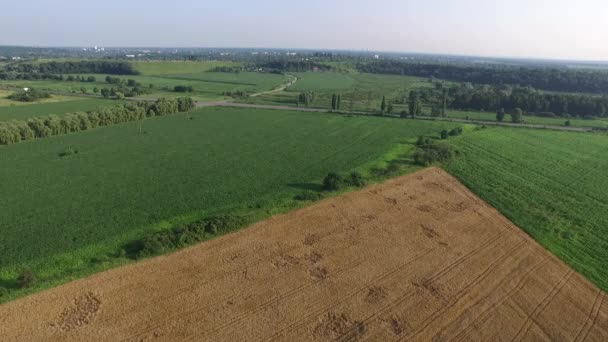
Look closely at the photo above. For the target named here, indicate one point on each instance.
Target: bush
(178, 237)
(424, 141)
(567, 123)
(444, 134)
(433, 153)
(355, 179)
(308, 195)
(456, 131)
(183, 89)
(26, 279)
(3, 292)
(29, 95)
(332, 182)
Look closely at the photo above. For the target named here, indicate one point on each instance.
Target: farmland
(158, 68)
(551, 184)
(346, 269)
(359, 92)
(76, 104)
(5, 101)
(206, 86)
(320, 81)
(131, 179)
(491, 117)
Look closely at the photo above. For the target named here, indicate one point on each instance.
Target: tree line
(293, 66)
(75, 67)
(554, 79)
(41, 127)
(530, 100)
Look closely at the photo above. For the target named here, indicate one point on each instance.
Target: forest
(546, 78)
(74, 67)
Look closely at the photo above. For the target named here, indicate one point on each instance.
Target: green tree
(332, 182)
(339, 103)
(517, 116)
(414, 104)
(383, 105)
(500, 115)
(334, 102)
(444, 106)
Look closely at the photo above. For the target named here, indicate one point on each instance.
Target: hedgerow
(16, 131)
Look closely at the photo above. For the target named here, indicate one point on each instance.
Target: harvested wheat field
(415, 258)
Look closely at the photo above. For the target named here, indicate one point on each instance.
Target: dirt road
(416, 258)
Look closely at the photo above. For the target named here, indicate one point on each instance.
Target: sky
(555, 29)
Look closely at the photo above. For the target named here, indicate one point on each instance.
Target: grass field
(551, 184)
(321, 81)
(5, 101)
(156, 68)
(363, 93)
(122, 184)
(486, 116)
(206, 85)
(77, 104)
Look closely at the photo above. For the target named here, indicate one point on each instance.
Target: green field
(5, 101)
(155, 68)
(52, 108)
(359, 92)
(122, 184)
(551, 184)
(206, 85)
(322, 81)
(536, 120)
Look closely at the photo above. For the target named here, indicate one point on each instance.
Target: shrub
(433, 153)
(3, 292)
(444, 134)
(424, 141)
(167, 240)
(308, 195)
(29, 95)
(26, 278)
(456, 131)
(355, 179)
(183, 89)
(332, 182)
(567, 123)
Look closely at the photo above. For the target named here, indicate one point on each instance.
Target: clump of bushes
(334, 181)
(30, 95)
(355, 179)
(183, 89)
(308, 195)
(16, 131)
(26, 279)
(429, 152)
(68, 152)
(181, 236)
(455, 132)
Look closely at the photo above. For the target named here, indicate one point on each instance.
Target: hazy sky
(565, 29)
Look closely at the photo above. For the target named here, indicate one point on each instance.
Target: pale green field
(4, 101)
(536, 120)
(177, 67)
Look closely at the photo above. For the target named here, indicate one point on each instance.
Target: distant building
(130, 56)
(377, 56)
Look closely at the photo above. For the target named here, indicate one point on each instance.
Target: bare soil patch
(433, 263)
